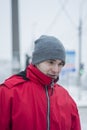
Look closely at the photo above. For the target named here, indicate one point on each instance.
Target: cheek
(44, 69)
(60, 68)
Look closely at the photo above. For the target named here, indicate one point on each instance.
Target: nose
(55, 69)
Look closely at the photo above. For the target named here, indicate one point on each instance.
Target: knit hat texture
(46, 48)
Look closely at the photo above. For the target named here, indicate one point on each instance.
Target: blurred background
(23, 21)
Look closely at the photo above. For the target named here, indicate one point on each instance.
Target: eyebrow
(61, 62)
(54, 60)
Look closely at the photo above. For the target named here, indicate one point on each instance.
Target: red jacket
(36, 104)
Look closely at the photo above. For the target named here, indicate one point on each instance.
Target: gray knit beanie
(46, 48)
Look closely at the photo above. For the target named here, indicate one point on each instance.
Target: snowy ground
(79, 95)
(83, 117)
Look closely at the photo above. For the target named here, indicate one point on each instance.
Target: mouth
(52, 76)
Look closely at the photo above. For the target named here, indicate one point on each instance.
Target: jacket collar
(34, 74)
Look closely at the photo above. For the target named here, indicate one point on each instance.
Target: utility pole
(79, 57)
(80, 50)
(15, 37)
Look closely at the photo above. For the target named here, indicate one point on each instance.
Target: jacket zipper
(48, 109)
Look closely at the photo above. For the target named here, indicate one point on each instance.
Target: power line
(68, 16)
(56, 17)
(63, 8)
(80, 12)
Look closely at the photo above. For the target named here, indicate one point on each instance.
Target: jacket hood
(34, 74)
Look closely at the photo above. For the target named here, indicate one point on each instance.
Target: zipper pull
(52, 87)
(52, 84)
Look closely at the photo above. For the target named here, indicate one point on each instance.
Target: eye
(51, 61)
(61, 64)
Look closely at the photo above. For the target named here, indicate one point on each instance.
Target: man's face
(51, 68)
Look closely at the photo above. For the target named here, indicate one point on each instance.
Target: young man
(32, 100)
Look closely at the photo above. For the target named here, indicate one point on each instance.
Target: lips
(52, 76)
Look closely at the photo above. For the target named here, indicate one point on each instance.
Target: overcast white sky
(36, 17)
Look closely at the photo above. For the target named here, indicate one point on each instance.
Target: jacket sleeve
(76, 125)
(5, 108)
